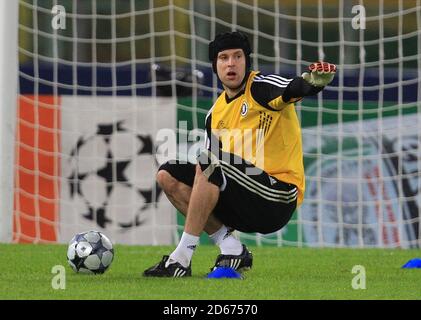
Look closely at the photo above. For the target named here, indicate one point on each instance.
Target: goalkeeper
(229, 190)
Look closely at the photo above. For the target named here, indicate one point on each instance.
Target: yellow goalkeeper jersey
(260, 127)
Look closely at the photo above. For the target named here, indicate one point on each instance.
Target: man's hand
(321, 74)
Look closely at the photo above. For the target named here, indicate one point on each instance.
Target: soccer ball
(90, 252)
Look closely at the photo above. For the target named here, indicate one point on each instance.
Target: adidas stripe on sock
(185, 249)
(226, 241)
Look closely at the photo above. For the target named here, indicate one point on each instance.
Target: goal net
(105, 85)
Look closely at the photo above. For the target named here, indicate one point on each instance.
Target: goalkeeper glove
(321, 74)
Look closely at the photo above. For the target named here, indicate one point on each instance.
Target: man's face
(231, 67)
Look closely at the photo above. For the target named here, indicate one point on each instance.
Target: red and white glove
(321, 73)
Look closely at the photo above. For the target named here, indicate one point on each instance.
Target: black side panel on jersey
(213, 143)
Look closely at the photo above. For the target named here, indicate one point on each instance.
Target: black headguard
(229, 40)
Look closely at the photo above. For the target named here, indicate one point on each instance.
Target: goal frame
(9, 20)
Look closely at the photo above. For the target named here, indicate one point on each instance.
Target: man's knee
(166, 181)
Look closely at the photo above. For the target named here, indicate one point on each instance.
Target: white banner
(108, 165)
(363, 183)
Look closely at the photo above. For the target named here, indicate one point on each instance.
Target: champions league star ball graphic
(90, 252)
(112, 176)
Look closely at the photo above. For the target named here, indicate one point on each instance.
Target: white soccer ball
(90, 252)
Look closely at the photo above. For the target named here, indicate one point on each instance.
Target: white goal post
(96, 90)
(8, 98)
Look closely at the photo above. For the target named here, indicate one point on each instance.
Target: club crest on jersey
(244, 109)
(221, 124)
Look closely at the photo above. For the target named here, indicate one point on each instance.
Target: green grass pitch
(278, 273)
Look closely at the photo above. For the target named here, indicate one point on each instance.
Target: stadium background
(378, 80)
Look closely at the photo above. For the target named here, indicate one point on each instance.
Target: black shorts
(248, 203)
